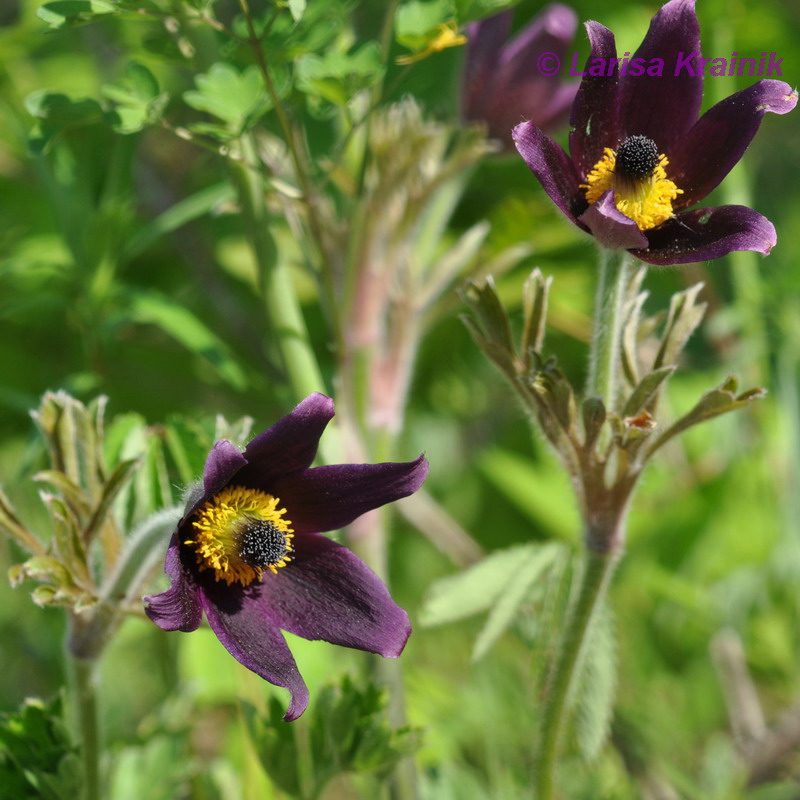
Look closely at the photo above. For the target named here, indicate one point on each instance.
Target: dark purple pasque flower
(248, 551)
(639, 156)
(504, 81)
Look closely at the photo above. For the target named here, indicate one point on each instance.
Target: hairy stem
(83, 704)
(613, 278)
(596, 576)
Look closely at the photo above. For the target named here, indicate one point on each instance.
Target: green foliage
(37, 759)
(139, 100)
(236, 98)
(346, 732)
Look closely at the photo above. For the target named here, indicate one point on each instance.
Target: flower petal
(249, 633)
(326, 498)
(595, 113)
(664, 107)
(486, 38)
(326, 592)
(223, 462)
(551, 165)
(610, 226)
(719, 138)
(707, 233)
(179, 608)
(289, 445)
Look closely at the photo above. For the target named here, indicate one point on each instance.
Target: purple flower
(639, 156)
(248, 551)
(504, 81)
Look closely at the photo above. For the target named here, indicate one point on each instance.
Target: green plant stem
(603, 525)
(298, 160)
(594, 582)
(614, 276)
(84, 710)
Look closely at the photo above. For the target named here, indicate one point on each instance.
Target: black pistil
(637, 157)
(262, 543)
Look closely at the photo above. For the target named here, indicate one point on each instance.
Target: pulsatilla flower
(639, 156)
(507, 81)
(248, 552)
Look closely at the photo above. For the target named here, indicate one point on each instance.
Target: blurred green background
(95, 301)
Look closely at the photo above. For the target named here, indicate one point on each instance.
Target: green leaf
(416, 22)
(597, 682)
(193, 207)
(37, 758)
(646, 391)
(297, 8)
(139, 100)
(67, 13)
(238, 99)
(472, 591)
(529, 570)
(470, 10)
(712, 404)
(336, 76)
(179, 323)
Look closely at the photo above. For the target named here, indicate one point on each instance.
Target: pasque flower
(248, 552)
(503, 80)
(640, 158)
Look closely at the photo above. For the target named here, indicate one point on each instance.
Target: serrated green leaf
(472, 591)
(529, 569)
(337, 76)
(596, 687)
(235, 98)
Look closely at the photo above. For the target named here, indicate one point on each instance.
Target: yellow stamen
(647, 201)
(448, 37)
(221, 527)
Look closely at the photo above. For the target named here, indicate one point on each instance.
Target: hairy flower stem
(83, 706)
(605, 531)
(596, 576)
(614, 276)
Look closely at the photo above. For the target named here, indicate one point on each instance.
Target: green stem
(84, 711)
(299, 161)
(278, 292)
(604, 362)
(596, 577)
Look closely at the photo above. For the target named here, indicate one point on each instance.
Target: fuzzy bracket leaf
(712, 404)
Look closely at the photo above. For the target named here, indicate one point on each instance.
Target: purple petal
(326, 592)
(179, 608)
(706, 233)
(665, 107)
(551, 31)
(551, 165)
(502, 88)
(720, 137)
(486, 38)
(289, 445)
(612, 229)
(249, 633)
(223, 462)
(326, 498)
(595, 113)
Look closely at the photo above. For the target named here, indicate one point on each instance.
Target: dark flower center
(262, 543)
(637, 157)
